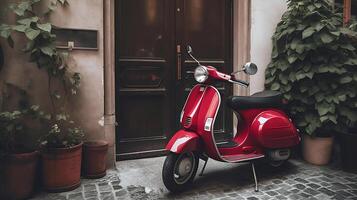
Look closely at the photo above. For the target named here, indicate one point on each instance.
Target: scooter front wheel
(179, 170)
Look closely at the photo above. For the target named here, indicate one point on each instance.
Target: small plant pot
(317, 150)
(61, 168)
(348, 143)
(19, 172)
(94, 159)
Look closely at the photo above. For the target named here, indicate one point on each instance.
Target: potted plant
(61, 151)
(18, 157)
(310, 60)
(62, 142)
(94, 158)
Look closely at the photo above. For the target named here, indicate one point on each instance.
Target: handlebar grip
(244, 83)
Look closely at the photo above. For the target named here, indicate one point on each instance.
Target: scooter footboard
(184, 141)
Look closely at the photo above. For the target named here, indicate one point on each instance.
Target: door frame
(241, 54)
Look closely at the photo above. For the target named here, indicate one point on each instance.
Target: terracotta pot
(94, 159)
(317, 150)
(18, 175)
(61, 168)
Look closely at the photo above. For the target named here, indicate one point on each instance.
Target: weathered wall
(87, 108)
(264, 17)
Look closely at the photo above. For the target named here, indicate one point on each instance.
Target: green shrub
(314, 65)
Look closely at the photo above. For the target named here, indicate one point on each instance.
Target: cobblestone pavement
(297, 180)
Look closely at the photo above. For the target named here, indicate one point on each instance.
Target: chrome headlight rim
(201, 76)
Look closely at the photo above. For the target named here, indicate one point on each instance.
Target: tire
(173, 182)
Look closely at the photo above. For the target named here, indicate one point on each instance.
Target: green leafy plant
(14, 134)
(40, 44)
(11, 130)
(314, 65)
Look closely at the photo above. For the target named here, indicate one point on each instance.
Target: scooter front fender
(184, 141)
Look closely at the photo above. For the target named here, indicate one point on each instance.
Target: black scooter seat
(264, 99)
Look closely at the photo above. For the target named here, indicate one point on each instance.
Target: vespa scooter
(263, 130)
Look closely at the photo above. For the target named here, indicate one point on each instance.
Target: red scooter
(263, 131)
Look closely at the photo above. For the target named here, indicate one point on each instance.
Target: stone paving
(296, 180)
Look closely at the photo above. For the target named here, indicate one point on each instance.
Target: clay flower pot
(18, 175)
(94, 159)
(317, 150)
(61, 168)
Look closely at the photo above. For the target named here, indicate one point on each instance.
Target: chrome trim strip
(212, 134)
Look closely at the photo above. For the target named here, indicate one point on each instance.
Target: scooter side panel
(191, 107)
(273, 129)
(208, 111)
(184, 141)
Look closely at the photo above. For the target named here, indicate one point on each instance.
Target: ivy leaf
(351, 61)
(346, 79)
(47, 50)
(323, 108)
(21, 8)
(31, 34)
(292, 58)
(308, 32)
(350, 114)
(5, 30)
(28, 21)
(20, 28)
(326, 38)
(348, 46)
(45, 27)
(319, 26)
(300, 49)
(275, 86)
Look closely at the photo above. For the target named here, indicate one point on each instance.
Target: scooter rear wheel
(179, 170)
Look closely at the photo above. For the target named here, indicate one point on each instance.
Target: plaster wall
(87, 107)
(265, 15)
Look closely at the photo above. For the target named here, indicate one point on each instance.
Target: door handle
(179, 62)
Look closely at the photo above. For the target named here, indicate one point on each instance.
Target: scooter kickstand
(255, 177)
(204, 166)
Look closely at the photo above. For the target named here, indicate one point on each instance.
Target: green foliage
(314, 62)
(13, 130)
(42, 49)
(62, 133)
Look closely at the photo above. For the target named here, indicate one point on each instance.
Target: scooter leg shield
(184, 141)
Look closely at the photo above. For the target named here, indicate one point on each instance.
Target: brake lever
(190, 72)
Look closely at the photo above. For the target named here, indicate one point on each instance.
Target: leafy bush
(314, 65)
(62, 133)
(14, 134)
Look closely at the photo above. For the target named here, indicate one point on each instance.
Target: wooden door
(206, 25)
(151, 79)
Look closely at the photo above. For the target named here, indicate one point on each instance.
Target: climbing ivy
(40, 44)
(314, 64)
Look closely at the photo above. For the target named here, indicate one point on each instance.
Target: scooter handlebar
(243, 83)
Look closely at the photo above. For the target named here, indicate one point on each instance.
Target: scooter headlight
(201, 74)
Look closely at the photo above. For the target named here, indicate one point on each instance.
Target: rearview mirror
(189, 49)
(250, 68)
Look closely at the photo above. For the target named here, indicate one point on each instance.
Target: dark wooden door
(206, 25)
(151, 65)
